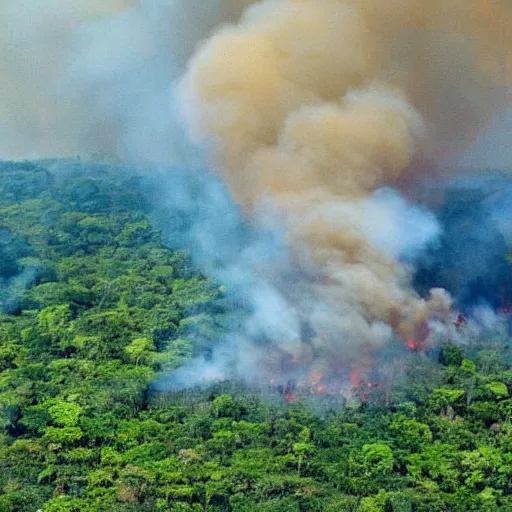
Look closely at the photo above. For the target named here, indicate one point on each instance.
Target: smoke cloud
(314, 107)
(320, 116)
(94, 78)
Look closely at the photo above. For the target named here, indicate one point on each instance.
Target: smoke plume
(308, 109)
(320, 116)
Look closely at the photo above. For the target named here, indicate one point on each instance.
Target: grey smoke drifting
(94, 78)
(315, 114)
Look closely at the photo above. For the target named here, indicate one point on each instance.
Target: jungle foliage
(95, 308)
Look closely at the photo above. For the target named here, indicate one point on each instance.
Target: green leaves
(225, 406)
(468, 368)
(443, 398)
(409, 433)
(82, 429)
(140, 348)
(53, 321)
(136, 234)
(65, 413)
(64, 436)
(106, 302)
(498, 389)
(35, 418)
(451, 355)
(378, 458)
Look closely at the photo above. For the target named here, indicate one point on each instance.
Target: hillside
(95, 309)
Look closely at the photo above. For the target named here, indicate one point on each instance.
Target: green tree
(65, 413)
(140, 349)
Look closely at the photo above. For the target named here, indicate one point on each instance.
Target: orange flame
(290, 397)
(412, 344)
(315, 377)
(355, 377)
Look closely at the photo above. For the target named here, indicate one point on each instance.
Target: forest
(95, 307)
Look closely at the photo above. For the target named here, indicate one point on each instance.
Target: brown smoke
(312, 105)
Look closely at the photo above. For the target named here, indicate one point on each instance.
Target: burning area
(320, 141)
(322, 124)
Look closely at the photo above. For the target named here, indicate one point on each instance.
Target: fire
(412, 344)
(355, 377)
(460, 321)
(361, 378)
(315, 377)
(290, 397)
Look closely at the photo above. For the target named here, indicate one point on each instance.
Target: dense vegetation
(94, 307)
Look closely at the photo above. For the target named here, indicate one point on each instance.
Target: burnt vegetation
(95, 309)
